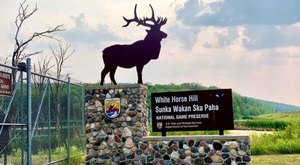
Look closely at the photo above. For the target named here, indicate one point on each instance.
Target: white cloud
(84, 33)
(262, 37)
(266, 24)
(236, 12)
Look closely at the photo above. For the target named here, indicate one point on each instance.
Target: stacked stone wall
(115, 140)
(196, 150)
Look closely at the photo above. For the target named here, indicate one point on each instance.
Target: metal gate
(41, 119)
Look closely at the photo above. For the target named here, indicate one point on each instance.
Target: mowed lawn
(284, 159)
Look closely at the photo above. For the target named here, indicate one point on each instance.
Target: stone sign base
(124, 139)
(198, 150)
(115, 140)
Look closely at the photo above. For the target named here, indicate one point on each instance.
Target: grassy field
(270, 122)
(283, 142)
(285, 159)
(289, 117)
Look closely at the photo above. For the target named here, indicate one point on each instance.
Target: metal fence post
(49, 124)
(29, 140)
(83, 119)
(22, 120)
(69, 115)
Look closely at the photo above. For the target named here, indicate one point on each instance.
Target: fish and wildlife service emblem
(112, 107)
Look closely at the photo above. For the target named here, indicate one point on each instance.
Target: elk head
(154, 33)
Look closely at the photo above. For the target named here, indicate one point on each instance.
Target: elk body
(137, 54)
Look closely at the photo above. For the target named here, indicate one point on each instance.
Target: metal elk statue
(137, 54)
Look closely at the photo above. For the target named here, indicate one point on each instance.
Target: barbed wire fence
(41, 120)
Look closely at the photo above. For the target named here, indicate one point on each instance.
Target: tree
(61, 54)
(43, 67)
(20, 43)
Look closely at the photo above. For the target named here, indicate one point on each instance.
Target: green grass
(274, 121)
(280, 159)
(280, 142)
(284, 141)
(260, 124)
(289, 117)
(76, 157)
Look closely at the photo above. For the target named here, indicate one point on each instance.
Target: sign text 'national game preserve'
(192, 110)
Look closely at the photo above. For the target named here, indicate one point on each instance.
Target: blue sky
(251, 46)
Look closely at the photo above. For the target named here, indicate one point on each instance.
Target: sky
(250, 46)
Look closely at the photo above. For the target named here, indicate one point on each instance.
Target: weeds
(260, 125)
(281, 142)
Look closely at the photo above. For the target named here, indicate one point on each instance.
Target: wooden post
(221, 132)
(164, 133)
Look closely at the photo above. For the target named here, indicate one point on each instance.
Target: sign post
(192, 110)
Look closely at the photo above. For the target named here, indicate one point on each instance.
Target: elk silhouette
(137, 54)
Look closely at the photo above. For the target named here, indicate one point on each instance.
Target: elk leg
(112, 74)
(103, 74)
(139, 70)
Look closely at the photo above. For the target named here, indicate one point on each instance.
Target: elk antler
(158, 23)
